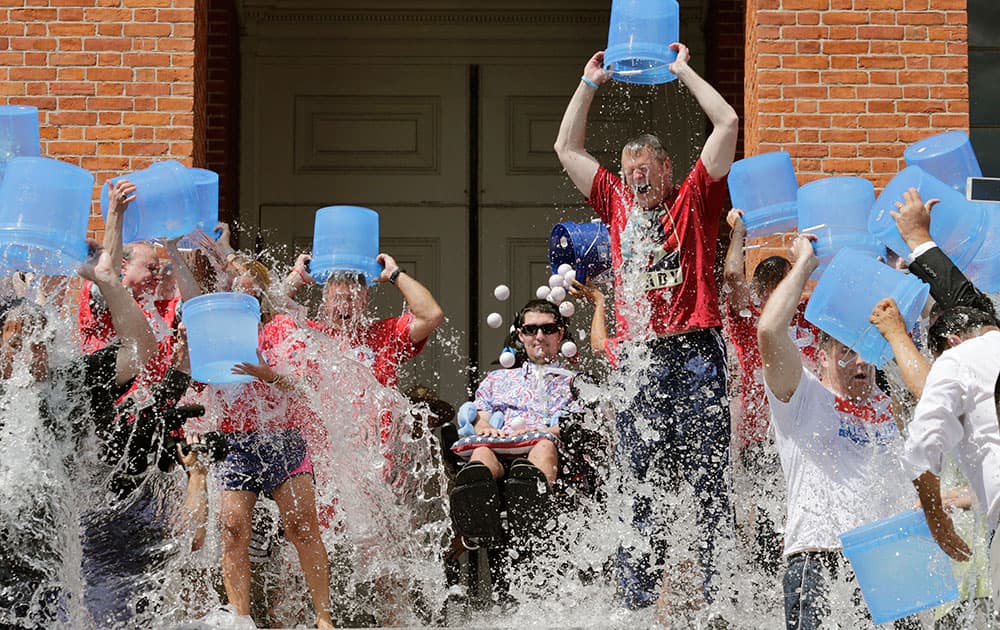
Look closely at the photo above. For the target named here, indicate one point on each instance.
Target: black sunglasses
(547, 329)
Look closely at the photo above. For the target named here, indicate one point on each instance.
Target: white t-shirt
(841, 462)
(957, 415)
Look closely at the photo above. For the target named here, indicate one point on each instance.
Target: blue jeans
(807, 591)
(806, 588)
(682, 399)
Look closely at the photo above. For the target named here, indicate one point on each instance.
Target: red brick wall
(725, 62)
(844, 85)
(114, 80)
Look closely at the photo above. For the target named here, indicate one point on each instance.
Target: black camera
(213, 445)
(137, 439)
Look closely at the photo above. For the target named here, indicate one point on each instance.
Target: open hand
(120, 194)
(261, 370)
(913, 218)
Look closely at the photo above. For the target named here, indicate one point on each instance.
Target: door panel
(394, 141)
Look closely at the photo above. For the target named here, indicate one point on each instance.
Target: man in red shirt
(663, 245)
(140, 269)
(382, 345)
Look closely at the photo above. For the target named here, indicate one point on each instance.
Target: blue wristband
(588, 82)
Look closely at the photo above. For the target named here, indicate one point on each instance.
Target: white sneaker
(225, 618)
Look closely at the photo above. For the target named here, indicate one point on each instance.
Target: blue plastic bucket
(835, 202)
(947, 156)
(849, 289)
(221, 332)
(836, 209)
(765, 188)
(18, 133)
(44, 215)
(166, 203)
(899, 567)
(958, 226)
(345, 238)
(984, 270)
(584, 246)
(639, 39)
(206, 185)
(830, 240)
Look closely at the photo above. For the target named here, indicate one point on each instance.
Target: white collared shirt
(957, 415)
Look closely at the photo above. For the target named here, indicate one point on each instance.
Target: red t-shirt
(383, 346)
(258, 405)
(751, 420)
(672, 247)
(97, 330)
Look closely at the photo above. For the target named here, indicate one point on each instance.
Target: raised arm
(299, 276)
(186, 282)
(720, 149)
(734, 275)
(580, 165)
(138, 345)
(782, 363)
(427, 314)
(913, 367)
(598, 323)
(120, 195)
(949, 286)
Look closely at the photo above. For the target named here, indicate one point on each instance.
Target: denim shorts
(260, 461)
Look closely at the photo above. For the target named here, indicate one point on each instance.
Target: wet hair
(771, 270)
(352, 277)
(647, 140)
(262, 276)
(129, 250)
(958, 320)
(824, 340)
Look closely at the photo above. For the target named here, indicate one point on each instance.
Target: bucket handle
(632, 73)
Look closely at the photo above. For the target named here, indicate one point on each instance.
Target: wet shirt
(751, 421)
(533, 393)
(671, 249)
(384, 346)
(97, 330)
(258, 405)
(841, 464)
(957, 415)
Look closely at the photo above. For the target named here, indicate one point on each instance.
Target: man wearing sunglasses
(530, 396)
(663, 245)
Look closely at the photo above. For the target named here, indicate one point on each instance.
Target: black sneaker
(475, 502)
(527, 493)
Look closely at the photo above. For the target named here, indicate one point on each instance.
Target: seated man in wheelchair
(513, 454)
